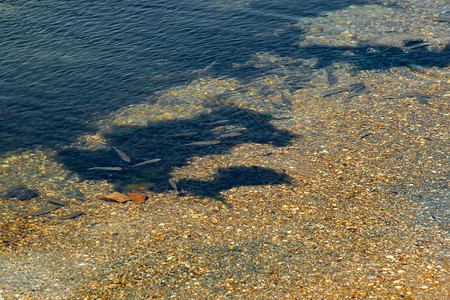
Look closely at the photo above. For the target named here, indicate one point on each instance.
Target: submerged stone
(116, 197)
(137, 198)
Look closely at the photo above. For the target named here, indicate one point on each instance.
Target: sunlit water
(66, 64)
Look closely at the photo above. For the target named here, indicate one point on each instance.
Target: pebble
(116, 197)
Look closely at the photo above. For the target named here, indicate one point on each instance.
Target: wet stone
(22, 193)
(137, 198)
(116, 197)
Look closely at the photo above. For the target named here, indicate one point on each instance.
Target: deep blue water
(64, 64)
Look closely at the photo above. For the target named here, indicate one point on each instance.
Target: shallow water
(68, 66)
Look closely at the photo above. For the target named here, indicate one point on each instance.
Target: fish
(354, 88)
(174, 185)
(366, 135)
(146, 162)
(336, 91)
(232, 134)
(43, 211)
(106, 168)
(71, 216)
(203, 143)
(122, 155)
(419, 97)
(357, 87)
(416, 45)
(355, 94)
(184, 134)
(442, 18)
(216, 122)
(56, 201)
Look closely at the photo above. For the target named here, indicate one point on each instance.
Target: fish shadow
(175, 143)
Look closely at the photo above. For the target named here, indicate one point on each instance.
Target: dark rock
(22, 193)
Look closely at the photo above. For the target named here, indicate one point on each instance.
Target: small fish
(419, 97)
(354, 95)
(417, 45)
(174, 185)
(232, 134)
(57, 201)
(71, 216)
(216, 122)
(106, 168)
(122, 155)
(357, 87)
(336, 91)
(366, 135)
(184, 134)
(146, 162)
(203, 143)
(43, 211)
(443, 18)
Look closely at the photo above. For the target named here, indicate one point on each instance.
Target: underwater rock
(116, 197)
(137, 198)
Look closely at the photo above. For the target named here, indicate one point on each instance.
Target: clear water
(64, 64)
